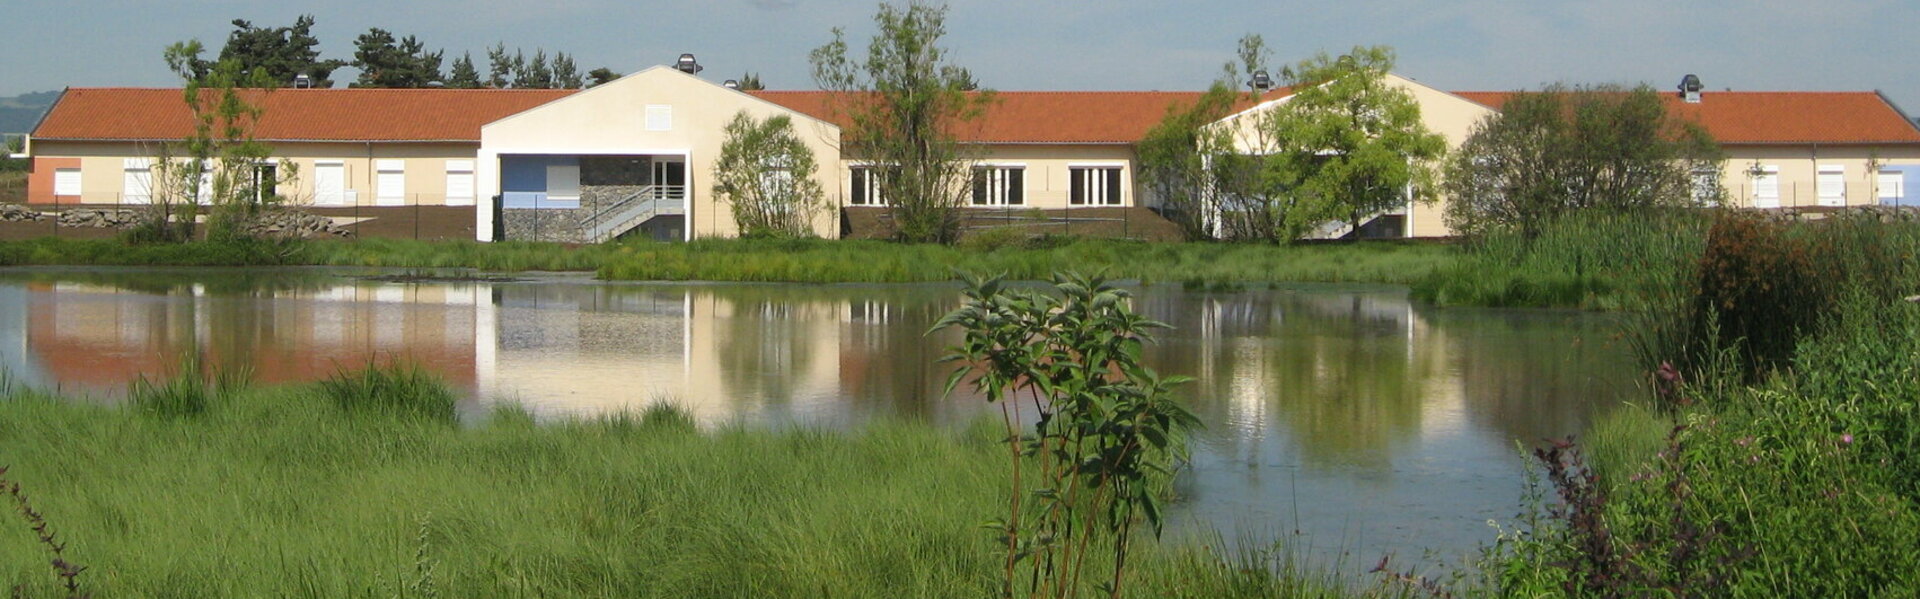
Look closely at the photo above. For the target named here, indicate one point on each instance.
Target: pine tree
(566, 75)
(464, 76)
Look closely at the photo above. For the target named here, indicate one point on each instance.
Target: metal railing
(609, 221)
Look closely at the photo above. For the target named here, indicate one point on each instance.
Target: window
(459, 182)
(868, 189)
(999, 185)
(1766, 185)
(1832, 181)
(659, 117)
(139, 181)
(66, 181)
(1706, 186)
(266, 181)
(1094, 186)
(390, 182)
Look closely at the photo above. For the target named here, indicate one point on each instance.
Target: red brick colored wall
(40, 181)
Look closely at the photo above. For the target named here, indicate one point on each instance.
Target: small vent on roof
(302, 81)
(731, 84)
(686, 64)
(1261, 81)
(1690, 88)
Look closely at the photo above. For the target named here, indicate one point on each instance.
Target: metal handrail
(652, 200)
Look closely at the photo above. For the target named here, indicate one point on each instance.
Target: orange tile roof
(1017, 117)
(378, 115)
(1781, 117)
(1035, 117)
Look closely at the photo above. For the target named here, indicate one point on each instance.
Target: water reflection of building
(101, 337)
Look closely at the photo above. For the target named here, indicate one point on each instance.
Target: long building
(634, 156)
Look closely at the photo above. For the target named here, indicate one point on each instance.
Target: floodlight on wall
(1261, 81)
(302, 81)
(687, 65)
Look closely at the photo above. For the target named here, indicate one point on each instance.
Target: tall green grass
(1599, 260)
(279, 492)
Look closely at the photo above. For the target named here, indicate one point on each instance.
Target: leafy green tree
(1345, 145)
(904, 104)
(463, 75)
(1558, 151)
(1174, 164)
(220, 164)
(601, 76)
(765, 173)
(386, 62)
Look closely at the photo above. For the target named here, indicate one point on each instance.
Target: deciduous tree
(1561, 150)
(765, 173)
(904, 104)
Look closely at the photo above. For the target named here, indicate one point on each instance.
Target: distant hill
(18, 114)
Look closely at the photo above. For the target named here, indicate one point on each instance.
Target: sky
(1044, 44)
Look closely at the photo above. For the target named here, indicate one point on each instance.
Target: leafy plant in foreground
(1106, 427)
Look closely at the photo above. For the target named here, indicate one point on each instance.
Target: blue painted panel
(523, 172)
(535, 199)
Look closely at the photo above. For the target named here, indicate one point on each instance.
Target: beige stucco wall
(1047, 180)
(103, 167)
(1799, 166)
(611, 120)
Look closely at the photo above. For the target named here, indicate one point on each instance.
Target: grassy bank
(804, 261)
(318, 491)
(1780, 453)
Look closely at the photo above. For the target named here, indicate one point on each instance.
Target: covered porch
(592, 198)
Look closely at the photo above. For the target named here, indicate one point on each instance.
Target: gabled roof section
(354, 115)
(1034, 117)
(1781, 117)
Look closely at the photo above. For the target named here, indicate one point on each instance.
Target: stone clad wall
(557, 225)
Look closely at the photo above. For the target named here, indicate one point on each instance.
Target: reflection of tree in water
(763, 345)
(1537, 375)
(1333, 367)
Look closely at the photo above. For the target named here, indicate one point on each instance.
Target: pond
(1345, 420)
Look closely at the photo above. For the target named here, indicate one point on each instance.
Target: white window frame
(137, 186)
(390, 191)
(460, 174)
(863, 185)
(66, 181)
(1119, 190)
(320, 196)
(1896, 192)
(999, 184)
(1830, 184)
(1765, 175)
